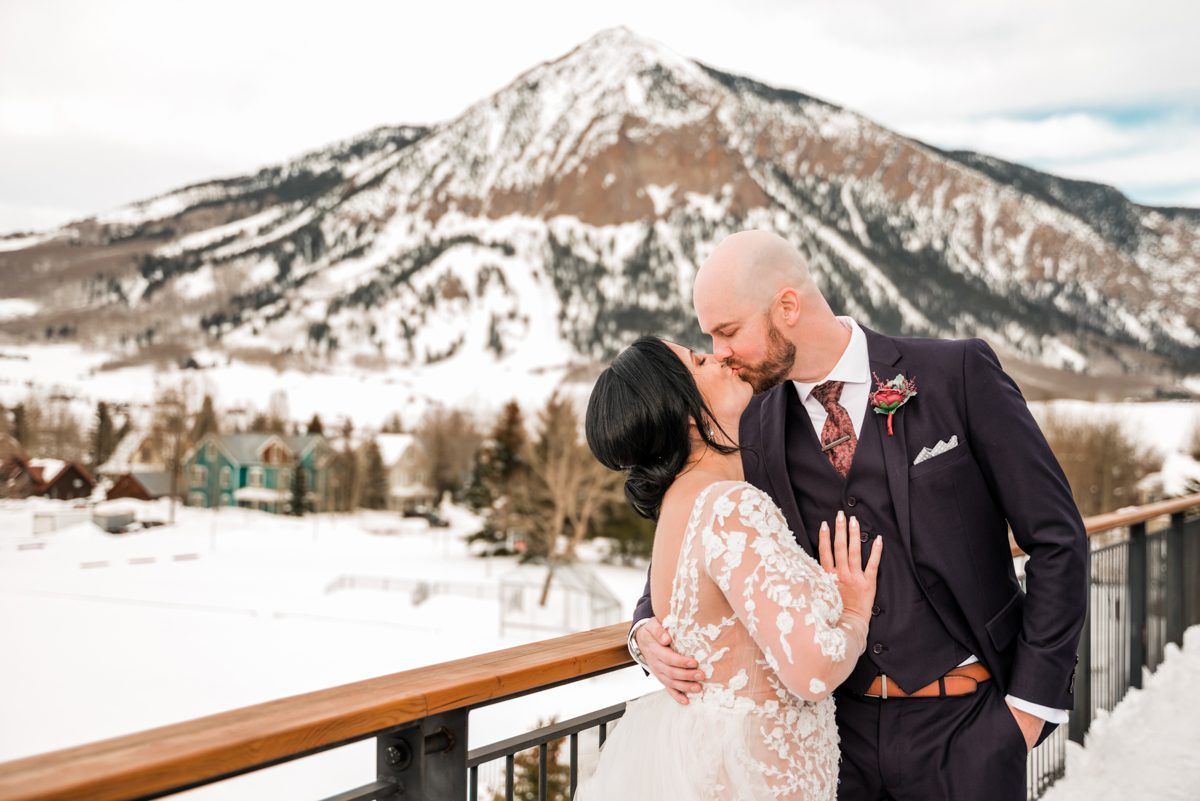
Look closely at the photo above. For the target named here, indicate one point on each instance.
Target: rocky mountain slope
(552, 222)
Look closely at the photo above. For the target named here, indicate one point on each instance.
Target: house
(254, 471)
(141, 449)
(408, 474)
(142, 485)
(17, 479)
(61, 480)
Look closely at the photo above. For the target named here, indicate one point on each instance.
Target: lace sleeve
(789, 605)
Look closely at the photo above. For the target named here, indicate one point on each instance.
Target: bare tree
(450, 439)
(567, 487)
(171, 427)
(1103, 463)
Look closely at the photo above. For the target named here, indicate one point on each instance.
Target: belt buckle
(884, 680)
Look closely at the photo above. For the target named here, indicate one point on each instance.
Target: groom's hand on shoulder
(678, 673)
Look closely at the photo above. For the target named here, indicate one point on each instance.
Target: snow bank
(1146, 747)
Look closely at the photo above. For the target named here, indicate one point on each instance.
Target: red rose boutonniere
(891, 395)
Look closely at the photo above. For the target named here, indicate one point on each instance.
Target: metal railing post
(1137, 603)
(1081, 716)
(428, 761)
(1175, 591)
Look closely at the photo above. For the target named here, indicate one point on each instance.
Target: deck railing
(1145, 590)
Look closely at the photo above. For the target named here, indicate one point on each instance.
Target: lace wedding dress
(765, 623)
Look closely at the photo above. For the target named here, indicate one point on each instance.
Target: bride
(773, 631)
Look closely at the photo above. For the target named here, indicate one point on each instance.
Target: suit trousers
(962, 748)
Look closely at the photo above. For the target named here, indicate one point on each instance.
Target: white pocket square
(937, 450)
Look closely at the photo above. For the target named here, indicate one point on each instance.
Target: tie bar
(835, 443)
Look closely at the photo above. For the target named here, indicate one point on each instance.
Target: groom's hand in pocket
(678, 673)
(1031, 726)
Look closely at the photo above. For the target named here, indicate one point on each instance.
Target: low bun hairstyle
(637, 420)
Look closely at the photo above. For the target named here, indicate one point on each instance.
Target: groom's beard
(774, 369)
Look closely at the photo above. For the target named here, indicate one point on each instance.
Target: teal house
(254, 471)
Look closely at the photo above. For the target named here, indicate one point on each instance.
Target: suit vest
(907, 641)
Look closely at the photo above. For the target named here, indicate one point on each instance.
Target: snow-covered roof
(156, 482)
(261, 494)
(121, 460)
(50, 468)
(246, 448)
(393, 447)
(406, 491)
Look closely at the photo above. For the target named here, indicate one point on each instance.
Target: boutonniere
(891, 395)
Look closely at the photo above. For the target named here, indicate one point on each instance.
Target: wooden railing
(419, 717)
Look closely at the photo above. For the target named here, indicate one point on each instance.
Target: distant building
(254, 471)
(53, 478)
(407, 470)
(141, 485)
(142, 449)
(17, 479)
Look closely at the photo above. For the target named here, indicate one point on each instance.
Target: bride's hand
(844, 559)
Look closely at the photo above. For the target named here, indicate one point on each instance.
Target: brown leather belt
(960, 681)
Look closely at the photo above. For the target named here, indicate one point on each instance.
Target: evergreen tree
(315, 426)
(299, 487)
(104, 436)
(375, 478)
(632, 534)
(206, 420)
(499, 469)
(20, 427)
(526, 772)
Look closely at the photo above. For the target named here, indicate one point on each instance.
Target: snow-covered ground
(366, 397)
(1147, 746)
(230, 608)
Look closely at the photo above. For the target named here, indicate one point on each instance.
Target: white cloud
(1060, 137)
(1155, 161)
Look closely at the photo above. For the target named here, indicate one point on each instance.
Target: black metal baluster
(1137, 603)
(542, 772)
(574, 763)
(508, 778)
(1175, 589)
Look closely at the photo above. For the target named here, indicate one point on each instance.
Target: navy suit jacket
(954, 511)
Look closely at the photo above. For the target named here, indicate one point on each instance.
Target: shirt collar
(854, 367)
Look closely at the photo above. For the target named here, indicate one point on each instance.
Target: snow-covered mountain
(550, 223)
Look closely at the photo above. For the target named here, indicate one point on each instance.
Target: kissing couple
(800, 661)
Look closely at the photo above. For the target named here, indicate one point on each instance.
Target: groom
(964, 671)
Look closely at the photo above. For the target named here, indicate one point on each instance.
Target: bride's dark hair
(637, 420)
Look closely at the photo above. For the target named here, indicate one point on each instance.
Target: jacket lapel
(773, 441)
(885, 362)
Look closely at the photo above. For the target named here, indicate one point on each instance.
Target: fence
(1145, 580)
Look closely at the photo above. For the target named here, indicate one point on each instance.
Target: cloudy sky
(102, 103)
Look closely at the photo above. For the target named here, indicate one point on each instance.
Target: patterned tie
(837, 425)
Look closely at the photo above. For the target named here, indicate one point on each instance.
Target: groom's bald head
(768, 320)
(745, 273)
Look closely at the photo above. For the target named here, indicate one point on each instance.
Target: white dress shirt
(854, 370)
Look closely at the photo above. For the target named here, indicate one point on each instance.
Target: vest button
(877, 648)
(852, 501)
(864, 536)
(875, 610)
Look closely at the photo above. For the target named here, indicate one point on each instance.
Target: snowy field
(236, 607)
(108, 635)
(1147, 747)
